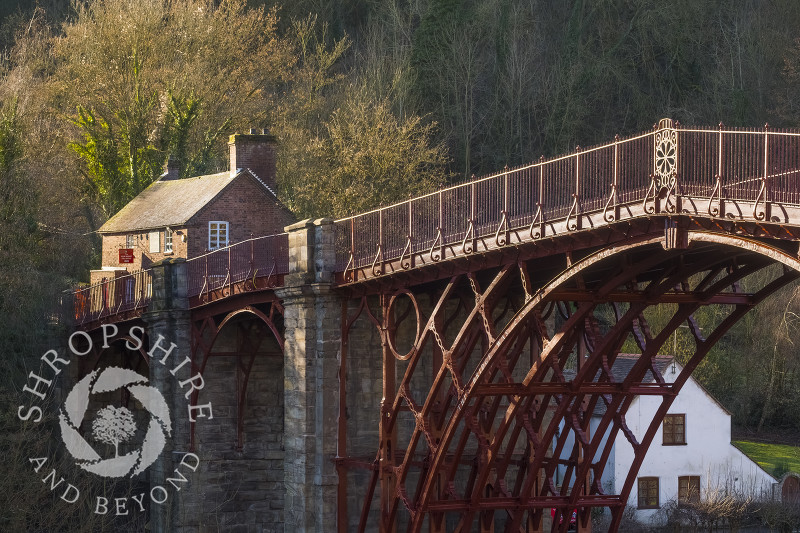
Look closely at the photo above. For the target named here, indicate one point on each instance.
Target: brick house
(186, 217)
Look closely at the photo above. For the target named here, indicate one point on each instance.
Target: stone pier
(312, 321)
(236, 485)
(168, 316)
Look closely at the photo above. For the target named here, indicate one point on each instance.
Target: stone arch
(240, 355)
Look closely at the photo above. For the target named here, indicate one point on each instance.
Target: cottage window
(217, 234)
(689, 489)
(674, 430)
(167, 241)
(648, 493)
(129, 241)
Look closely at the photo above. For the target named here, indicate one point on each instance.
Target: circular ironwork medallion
(666, 156)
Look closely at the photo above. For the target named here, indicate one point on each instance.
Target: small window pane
(648, 492)
(689, 489)
(217, 234)
(674, 429)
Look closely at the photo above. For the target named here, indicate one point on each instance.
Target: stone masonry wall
(311, 356)
(364, 382)
(239, 485)
(241, 488)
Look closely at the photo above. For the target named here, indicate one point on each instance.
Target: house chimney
(254, 151)
(172, 169)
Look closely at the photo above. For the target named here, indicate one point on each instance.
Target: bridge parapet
(119, 296)
(743, 174)
(259, 262)
(251, 265)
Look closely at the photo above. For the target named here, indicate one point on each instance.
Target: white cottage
(691, 455)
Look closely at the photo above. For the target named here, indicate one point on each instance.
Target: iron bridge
(498, 307)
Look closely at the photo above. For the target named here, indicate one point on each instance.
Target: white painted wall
(708, 452)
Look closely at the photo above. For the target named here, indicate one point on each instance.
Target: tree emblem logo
(114, 425)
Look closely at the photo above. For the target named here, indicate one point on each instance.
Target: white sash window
(217, 234)
(167, 241)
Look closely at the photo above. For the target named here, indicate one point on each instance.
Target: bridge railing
(545, 190)
(260, 257)
(748, 164)
(743, 164)
(759, 166)
(110, 296)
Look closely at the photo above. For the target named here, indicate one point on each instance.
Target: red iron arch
(488, 457)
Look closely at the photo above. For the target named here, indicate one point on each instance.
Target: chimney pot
(172, 169)
(256, 152)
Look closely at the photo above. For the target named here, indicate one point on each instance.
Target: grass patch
(777, 459)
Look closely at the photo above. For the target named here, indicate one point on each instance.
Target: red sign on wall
(125, 255)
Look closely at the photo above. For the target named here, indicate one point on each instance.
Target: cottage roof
(172, 202)
(623, 364)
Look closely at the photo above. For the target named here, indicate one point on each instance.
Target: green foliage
(107, 180)
(152, 77)
(441, 18)
(182, 113)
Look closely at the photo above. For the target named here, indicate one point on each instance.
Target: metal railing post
(473, 215)
(541, 184)
(411, 233)
(506, 209)
(763, 192)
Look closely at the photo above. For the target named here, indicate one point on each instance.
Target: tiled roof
(622, 366)
(624, 362)
(171, 202)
